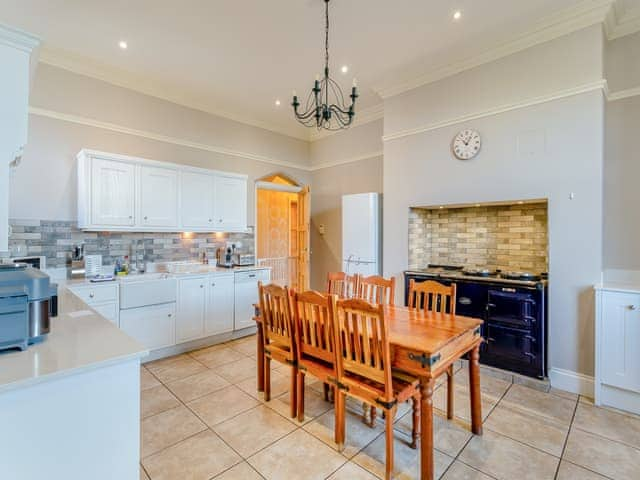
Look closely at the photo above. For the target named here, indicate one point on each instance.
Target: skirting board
(572, 382)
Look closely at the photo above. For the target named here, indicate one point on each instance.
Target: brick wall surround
(505, 237)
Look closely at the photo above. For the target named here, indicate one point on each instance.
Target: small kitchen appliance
(28, 300)
(224, 257)
(243, 259)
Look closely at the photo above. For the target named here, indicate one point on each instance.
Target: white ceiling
(237, 57)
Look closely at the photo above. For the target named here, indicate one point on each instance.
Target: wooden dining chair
(278, 333)
(377, 289)
(363, 366)
(342, 285)
(436, 297)
(313, 316)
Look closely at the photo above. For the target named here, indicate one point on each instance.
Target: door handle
(146, 218)
(631, 307)
(201, 286)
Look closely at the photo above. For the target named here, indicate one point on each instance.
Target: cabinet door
(197, 200)
(158, 197)
(620, 357)
(112, 193)
(153, 326)
(246, 295)
(230, 203)
(191, 308)
(220, 304)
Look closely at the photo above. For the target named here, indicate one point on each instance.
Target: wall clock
(466, 144)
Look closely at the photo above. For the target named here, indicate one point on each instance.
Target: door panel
(153, 326)
(220, 304)
(158, 197)
(191, 309)
(230, 203)
(197, 200)
(113, 193)
(619, 343)
(304, 246)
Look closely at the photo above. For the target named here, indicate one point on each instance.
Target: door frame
(276, 187)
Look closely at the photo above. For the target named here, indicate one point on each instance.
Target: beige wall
(44, 187)
(622, 160)
(550, 150)
(329, 184)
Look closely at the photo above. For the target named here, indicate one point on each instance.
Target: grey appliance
(28, 300)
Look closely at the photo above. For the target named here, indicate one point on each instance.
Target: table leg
(426, 429)
(474, 390)
(260, 354)
(450, 392)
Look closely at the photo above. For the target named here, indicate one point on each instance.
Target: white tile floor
(202, 418)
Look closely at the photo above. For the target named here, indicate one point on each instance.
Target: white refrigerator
(362, 234)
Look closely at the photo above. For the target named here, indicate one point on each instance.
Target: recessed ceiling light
(277, 103)
(123, 45)
(457, 15)
(344, 69)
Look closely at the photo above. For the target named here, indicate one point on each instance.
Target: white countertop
(631, 287)
(80, 340)
(181, 271)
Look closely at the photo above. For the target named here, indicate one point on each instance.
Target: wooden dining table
(425, 344)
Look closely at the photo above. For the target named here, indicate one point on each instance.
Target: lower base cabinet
(220, 305)
(246, 295)
(153, 326)
(192, 297)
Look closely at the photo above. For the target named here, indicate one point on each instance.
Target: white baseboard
(572, 382)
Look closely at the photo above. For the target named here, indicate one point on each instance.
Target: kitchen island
(70, 406)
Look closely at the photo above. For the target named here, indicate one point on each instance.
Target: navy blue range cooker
(514, 309)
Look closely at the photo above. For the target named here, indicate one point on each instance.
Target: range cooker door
(511, 348)
(512, 308)
(471, 299)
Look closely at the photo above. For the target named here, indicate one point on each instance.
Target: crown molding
(19, 39)
(89, 122)
(584, 14)
(337, 163)
(589, 87)
(621, 94)
(620, 22)
(364, 116)
(148, 86)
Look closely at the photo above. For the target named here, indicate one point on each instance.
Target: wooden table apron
(425, 344)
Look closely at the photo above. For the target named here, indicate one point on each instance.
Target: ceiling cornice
(18, 39)
(149, 86)
(620, 22)
(364, 116)
(584, 14)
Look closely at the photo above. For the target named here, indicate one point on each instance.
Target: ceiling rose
(325, 107)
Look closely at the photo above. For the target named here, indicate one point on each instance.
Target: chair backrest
(342, 285)
(275, 310)
(432, 296)
(377, 289)
(362, 340)
(313, 316)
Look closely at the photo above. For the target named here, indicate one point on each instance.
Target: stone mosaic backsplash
(55, 240)
(505, 237)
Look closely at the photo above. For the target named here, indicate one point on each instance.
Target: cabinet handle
(201, 286)
(91, 295)
(252, 276)
(170, 315)
(130, 216)
(210, 220)
(220, 220)
(146, 218)
(213, 284)
(631, 307)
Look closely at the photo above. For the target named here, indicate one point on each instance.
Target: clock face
(466, 144)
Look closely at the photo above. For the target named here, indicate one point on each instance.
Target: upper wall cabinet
(118, 193)
(158, 197)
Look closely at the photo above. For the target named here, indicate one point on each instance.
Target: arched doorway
(282, 229)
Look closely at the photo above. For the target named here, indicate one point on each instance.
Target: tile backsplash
(506, 237)
(55, 240)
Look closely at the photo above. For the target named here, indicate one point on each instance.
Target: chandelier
(325, 107)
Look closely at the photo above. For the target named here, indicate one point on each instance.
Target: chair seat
(404, 387)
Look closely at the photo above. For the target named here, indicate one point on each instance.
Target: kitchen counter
(73, 398)
(80, 339)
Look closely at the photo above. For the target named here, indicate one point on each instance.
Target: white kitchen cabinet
(103, 298)
(618, 349)
(246, 295)
(113, 193)
(220, 304)
(230, 203)
(153, 326)
(15, 54)
(197, 200)
(192, 298)
(158, 197)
